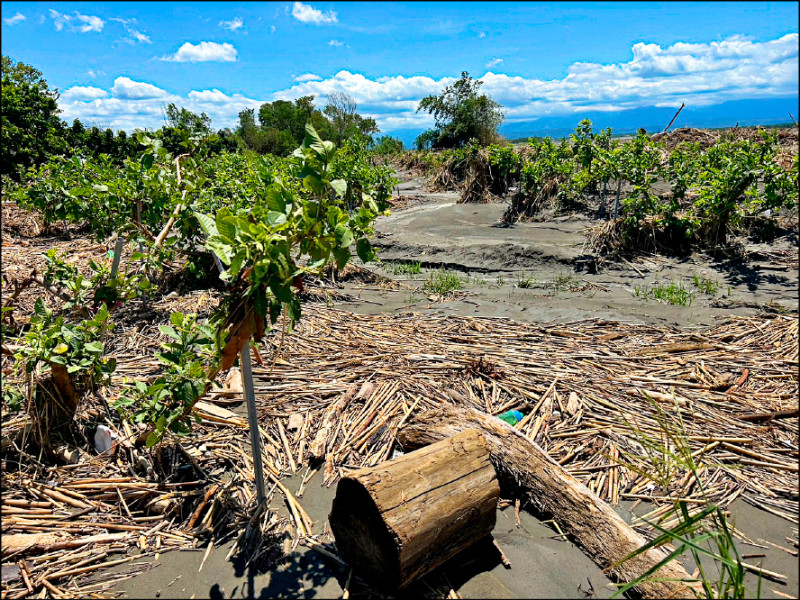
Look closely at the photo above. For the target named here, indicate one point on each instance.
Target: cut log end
(403, 518)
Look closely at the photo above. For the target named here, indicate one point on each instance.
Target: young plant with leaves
(703, 530)
(191, 347)
(304, 219)
(98, 289)
(61, 363)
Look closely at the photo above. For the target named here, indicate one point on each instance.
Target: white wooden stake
(252, 418)
(117, 255)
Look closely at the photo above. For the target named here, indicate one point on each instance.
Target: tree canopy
(342, 111)
(279, 126)
(460, 114)
(31, 127)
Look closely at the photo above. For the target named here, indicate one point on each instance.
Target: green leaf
(167, 330)
(225, 228)
(221, 249)
(96, 347)
(207, 223)
(339, 186)
(342, 255)
(293, 310)
(365, 250)
(275, 200)
(275, 218)
(61, 348)
(236, 263)
(147, 161)
(346, 238)
(314, 184)
(153, 438)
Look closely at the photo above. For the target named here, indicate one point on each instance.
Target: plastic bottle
(512, 417)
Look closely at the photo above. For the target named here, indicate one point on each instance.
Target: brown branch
(178, 209)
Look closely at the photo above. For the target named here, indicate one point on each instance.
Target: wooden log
(403, 518)
(525, 470)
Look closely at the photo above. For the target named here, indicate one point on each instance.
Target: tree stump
(403, 518)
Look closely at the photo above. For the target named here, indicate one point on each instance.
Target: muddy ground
(539, 272)
(531, 272)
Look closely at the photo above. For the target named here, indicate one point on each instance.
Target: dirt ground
(543, 565)
(494, 263)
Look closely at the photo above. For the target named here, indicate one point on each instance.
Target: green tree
(281, 125)
(31, 127)
(461, 114)
(388, 145)
(183, 118)
(342, 111)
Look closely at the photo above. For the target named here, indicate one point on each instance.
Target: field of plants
(666, 193)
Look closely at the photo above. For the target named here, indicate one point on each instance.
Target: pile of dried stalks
(787, 138)
(581, 387)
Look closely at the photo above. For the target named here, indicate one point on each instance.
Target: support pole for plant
(252, 419)
(616, 204)
(673, 118)
(117, 254)
(178, 209)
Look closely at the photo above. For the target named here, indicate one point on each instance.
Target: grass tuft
(672, 293)
(442, 282)
(409, 268)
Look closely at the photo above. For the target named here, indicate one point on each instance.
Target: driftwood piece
(524, 468)
(317, 449)
(403, 518)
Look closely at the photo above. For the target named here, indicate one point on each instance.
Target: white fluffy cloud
(80, 92)
(128, 89)
(335, 43)
(307, 77)
(233, 24)
(133, 105)
(308, 14)
(204, 52)
(494, 62)
(76, 22)
(17, 18)
(698, 74)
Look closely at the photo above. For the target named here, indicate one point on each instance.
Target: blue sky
(115, 64)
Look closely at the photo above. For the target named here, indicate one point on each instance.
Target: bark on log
(403, 518)
(526, 471)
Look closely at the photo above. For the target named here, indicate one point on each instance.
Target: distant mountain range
(653, 119)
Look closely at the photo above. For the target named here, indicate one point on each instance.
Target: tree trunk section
(403, 518)
(526, 471)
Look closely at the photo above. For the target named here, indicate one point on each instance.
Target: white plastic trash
(104, 440)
